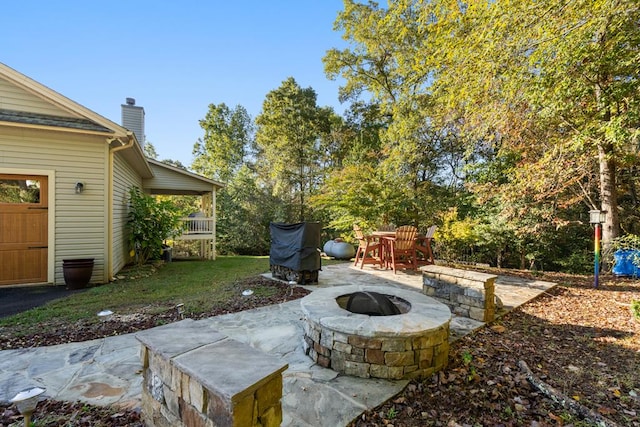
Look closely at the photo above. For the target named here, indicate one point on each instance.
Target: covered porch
(199, 228)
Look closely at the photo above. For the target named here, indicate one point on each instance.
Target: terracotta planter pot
(77, 272)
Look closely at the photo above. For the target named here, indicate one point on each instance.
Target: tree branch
(564, 400)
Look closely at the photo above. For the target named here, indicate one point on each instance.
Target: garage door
(23, 229)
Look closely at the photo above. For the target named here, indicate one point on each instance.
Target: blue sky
(175, 58)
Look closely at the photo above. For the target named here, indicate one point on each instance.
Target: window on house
(18, 191)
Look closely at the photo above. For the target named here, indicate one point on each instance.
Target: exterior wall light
(79, 187)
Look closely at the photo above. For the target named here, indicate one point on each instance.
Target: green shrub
(150, 222)
(624, 243)
(577, 263)
(456, 236)
(635, 308)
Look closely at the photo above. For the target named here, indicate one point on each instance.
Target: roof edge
(186, 172)
(66, 104)
(57, 99)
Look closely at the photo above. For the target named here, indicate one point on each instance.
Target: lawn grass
(152, 288)
(192, 283)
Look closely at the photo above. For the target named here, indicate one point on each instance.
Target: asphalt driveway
(18, 299)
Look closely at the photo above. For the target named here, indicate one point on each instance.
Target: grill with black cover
(295, 251)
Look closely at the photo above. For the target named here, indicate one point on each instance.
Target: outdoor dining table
(423, 244)
(384, 245)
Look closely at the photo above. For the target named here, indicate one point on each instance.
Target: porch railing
(196, 228)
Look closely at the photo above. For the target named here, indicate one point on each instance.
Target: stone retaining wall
(467, 293)
(207, 380)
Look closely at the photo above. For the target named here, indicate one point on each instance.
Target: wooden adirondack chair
(368, 248)
(424, 247)
(402, 248)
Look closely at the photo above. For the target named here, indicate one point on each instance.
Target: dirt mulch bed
(581, 343)
(51, 413)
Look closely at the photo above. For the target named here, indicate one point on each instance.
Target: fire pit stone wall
(404, 346)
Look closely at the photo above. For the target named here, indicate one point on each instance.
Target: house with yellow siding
(67, 172)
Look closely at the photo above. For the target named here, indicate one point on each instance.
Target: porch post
(213, 215)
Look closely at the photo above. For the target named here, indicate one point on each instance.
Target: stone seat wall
(467, 293)
(207, 380)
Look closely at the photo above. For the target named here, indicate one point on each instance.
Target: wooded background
(502, 122)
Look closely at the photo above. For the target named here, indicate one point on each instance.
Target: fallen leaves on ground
(584, 342)
(53, 414)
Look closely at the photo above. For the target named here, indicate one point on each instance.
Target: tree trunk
(606, 153)
(608, 194)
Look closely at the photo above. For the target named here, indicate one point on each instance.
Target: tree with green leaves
(246, 209)
(243, 206)
(557, 82)
(150, 150)
(292, 136)
(351, 191)
(417, 158)
(554, 83)
(227, 141)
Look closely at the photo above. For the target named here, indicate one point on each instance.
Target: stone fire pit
(402, 346)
